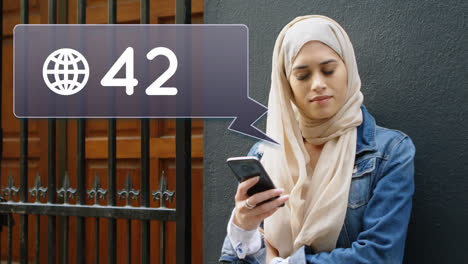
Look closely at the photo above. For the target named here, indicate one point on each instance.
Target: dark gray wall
(412, 58)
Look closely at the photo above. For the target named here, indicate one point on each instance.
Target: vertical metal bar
(144, 11)
(145, 193)
(183, 12)
(183, 166)
(65, 239)
(111, 156)
(96, 239)
(63, 12)
(51, 220)
(51, 198)
(183, 189)
(112, 11)
(9, 239)
(81, 12)
(80, 175)
(1, 89)
(111, 161)
(145, 225)
(38, 234)
(162, 247)
(129, 241)
(55, 252)
(24, 162)
(1, 86)
(52, 12)
(24, 11)
(80, 225)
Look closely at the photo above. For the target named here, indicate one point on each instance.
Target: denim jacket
(379, 204)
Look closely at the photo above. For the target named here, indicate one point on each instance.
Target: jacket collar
(366, 133)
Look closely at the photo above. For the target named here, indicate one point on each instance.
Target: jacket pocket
(359, 191)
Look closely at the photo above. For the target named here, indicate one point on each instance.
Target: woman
(346, 183)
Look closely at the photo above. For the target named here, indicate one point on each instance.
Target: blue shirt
(379, 203)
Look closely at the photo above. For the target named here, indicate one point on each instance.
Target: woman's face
(319, 80)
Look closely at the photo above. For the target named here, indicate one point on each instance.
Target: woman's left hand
(272, 252)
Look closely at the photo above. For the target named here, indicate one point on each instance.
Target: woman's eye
(328, 72)
(302, 77)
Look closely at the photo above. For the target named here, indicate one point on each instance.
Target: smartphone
(247, 167)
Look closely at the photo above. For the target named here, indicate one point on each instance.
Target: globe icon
(65, 71)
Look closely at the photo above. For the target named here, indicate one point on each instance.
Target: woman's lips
(321, 99)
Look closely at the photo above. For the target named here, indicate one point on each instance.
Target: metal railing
(181, 215)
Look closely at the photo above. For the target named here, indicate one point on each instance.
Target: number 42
(129, 82)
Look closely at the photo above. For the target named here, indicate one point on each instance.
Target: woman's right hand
(249, 219)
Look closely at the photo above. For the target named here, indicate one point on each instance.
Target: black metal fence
(181, 215)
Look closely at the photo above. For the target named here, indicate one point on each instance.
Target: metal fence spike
(97, 182)
(66, 182)
(163, 194)
(128, 192)
(128, 183)
(66, 191)
(37, 181)
(97, 192)
(38, 190)
(10, 190)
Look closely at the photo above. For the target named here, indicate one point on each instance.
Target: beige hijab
(315, 212)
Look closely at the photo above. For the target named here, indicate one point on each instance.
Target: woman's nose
(317, 84)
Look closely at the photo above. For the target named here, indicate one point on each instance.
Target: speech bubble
(135, 71)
